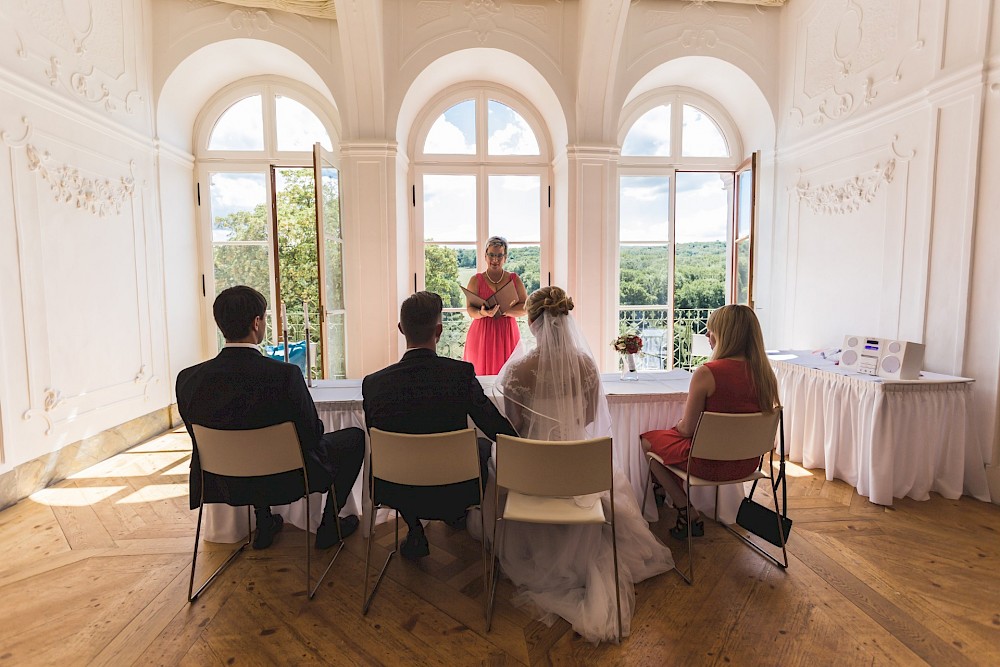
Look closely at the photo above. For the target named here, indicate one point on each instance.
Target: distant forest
(700, 273)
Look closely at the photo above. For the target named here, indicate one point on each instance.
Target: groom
(425, 393)
(243, 389)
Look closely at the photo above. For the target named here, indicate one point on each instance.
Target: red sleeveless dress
(490, 340)
(734, 393)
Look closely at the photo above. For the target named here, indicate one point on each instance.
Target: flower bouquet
(628, 345)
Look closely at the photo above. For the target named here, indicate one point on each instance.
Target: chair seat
(698, 481)
(548, 509)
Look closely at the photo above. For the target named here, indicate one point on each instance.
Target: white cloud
(445, 137)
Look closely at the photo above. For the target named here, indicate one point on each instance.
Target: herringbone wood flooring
(95, 571)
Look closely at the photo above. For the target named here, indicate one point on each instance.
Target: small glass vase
(629, 366)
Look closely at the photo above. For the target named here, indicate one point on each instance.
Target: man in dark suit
(425, 393)
(243, 389)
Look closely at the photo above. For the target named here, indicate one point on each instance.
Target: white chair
(541, 479)
(253, 453)
(431, 459)
(726, 437)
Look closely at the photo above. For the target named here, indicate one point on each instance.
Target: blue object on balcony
(296, 353)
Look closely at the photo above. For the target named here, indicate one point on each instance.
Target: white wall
(880, 143)
(82, 337)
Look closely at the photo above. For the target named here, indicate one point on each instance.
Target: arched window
(259, 172)
(480, 168)
(679, 155)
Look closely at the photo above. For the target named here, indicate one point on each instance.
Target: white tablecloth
(889, 439)
(656, 401)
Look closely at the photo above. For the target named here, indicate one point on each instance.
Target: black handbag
(763, 521)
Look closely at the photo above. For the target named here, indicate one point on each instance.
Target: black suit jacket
(243, 389)
(425, 393)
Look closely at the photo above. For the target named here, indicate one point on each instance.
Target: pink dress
(734, 393)
(491, 339)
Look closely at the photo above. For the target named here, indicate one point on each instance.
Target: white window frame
(209, 161)
(482, 165)
(669, 165)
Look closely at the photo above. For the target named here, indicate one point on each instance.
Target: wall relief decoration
(481, 14)
(53, 399)
(250, 21)
(848, 196)
(429, 11)
(848, 51)
(97, 196)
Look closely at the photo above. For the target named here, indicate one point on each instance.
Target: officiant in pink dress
(493, 334)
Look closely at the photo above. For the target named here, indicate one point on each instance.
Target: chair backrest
(722, 436)
(554, 468)
(249, 453)
(425, 459)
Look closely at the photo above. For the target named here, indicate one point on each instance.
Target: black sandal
(680, 529)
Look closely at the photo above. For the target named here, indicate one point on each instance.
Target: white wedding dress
(552, 391)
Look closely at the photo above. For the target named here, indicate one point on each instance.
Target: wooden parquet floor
(95, 571)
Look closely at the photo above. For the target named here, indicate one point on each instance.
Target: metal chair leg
(194, 559)
(494, 566)
(371, 538)
(614, 550)
(340, 547)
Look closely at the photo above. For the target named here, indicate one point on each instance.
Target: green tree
(441, 274)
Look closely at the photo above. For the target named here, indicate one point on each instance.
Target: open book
(505, 296)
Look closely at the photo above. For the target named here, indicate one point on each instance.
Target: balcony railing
(660, 350)
(653, 324)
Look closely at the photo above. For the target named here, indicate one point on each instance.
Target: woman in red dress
(491, 340)
(738, 379)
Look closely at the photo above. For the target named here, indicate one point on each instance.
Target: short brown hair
(419, 316)
(235, 309)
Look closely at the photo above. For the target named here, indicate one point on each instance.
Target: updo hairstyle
(552, 300)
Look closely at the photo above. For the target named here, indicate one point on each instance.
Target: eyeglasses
(493, 255)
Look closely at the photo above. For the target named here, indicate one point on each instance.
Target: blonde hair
(549, 299)
(737, 334)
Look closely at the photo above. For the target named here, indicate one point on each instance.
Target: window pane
(744, 185)
(239, 210)
(515, 207)
(336, 338)
(509, 133)
(298, 128)
(298, 256)
(454, 132)
(524, 260)
(650, 135)
(700, 259)
(240, 127)
(449, 207)
(447, 268)
(743, 271)
(332, 240)
(244, 264)
(643, 274)
(455, 327)
(644, 208)
(701, 136)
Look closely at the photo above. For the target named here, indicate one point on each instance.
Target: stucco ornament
(97, 196)
(847, 197)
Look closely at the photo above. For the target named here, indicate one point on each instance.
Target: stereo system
(892, 359)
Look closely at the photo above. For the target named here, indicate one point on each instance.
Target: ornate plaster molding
(6, 137)
(481, 14)
(96, 196)
(250, 21)
(855, 85)
(847, 197)
(145, 381)
(53, 399)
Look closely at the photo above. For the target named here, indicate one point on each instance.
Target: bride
(552, 391)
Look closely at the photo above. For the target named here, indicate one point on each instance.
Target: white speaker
(901, 360)
(861, 354)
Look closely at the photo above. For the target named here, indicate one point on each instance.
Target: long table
(656, 401)
(887, 438)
